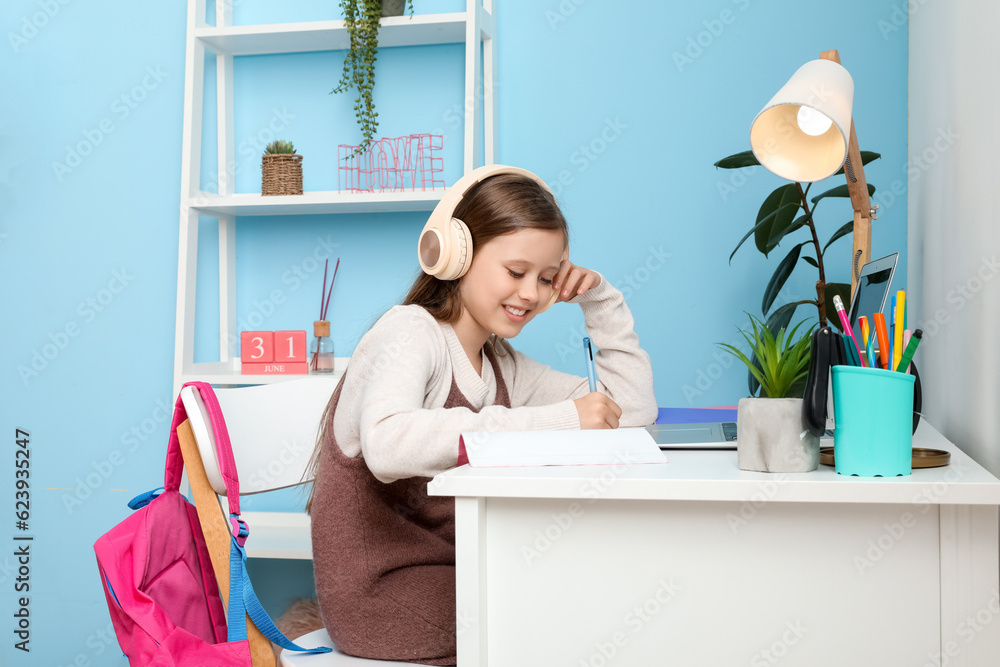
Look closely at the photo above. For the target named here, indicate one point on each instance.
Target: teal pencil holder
(873, 409)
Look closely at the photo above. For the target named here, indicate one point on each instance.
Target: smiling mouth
(515, 311)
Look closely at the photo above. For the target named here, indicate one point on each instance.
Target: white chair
(335, 659)
(273, 430)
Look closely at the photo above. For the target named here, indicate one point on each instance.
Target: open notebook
(483, 449)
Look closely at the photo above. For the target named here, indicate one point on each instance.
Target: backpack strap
(242, 599)
(224, 451)
(249, 605)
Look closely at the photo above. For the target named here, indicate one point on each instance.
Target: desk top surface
(701, 475)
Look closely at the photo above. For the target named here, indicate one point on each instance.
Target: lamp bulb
(813, 122)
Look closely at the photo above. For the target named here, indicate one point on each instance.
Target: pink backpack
(158, 579)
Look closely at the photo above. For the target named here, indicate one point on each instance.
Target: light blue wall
(572, 74)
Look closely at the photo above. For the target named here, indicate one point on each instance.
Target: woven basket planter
(282, 174)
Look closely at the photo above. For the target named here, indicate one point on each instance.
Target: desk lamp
(806, 133)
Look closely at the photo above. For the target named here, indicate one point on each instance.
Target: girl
(440, 364)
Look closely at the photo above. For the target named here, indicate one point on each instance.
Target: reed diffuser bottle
(321, 348)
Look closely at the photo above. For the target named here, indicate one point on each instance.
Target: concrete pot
(772, 437)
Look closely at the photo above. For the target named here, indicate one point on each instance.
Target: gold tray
(922, 458)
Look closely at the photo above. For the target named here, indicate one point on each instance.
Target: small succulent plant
(780, 363)
(279, 147)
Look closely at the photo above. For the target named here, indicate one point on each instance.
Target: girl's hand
(597, 411)
(572, 280)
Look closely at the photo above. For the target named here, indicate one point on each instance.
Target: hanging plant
(361, 17)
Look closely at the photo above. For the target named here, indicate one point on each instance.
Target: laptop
(713, 435)
(870, 296)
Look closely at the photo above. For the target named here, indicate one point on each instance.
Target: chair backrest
(273, 429)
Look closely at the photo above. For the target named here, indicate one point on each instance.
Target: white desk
(696, 562)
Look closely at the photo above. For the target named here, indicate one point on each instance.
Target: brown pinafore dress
(384, 554)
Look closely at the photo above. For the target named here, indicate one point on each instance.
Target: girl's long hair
(498, 205)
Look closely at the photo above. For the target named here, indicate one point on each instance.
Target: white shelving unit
(279, 535)
(475, 27)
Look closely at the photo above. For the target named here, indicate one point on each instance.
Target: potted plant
(281, 170)
(771, 435)
(786, 210)
(361, 17)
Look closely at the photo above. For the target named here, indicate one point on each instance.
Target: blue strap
(107, 583)
(264, 623)
(237, 617)
(144, 499)
(248, 604)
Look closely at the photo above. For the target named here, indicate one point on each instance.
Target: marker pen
(904, 361)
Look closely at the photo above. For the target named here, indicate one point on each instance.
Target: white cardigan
(391, 408)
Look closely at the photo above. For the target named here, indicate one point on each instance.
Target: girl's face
(509, 280)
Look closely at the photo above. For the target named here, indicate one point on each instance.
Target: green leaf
(784, 203)
(798, 388)
(778, 234)
(757, 226)
(844, 291)
(779, 360)
(761, 345)
(738, 161)
(840, 191)
(792, 351)
(840, 233)
(810, 260)
(778, 320)
(866, 157)
(754, 370)
(780, 277)
(796, 369)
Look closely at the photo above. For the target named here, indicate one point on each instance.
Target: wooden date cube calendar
(273, 353)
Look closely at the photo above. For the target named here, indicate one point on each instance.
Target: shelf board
(279, 535)
(248, 40)
(218, 373)
(313, 203)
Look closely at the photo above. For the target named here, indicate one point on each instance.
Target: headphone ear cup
(445, 249)
(458, 251)
(430, 247)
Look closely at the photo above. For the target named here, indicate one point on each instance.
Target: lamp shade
(803, 132)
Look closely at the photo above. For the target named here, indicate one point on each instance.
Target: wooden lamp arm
(857, 188)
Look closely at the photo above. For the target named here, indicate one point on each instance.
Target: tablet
(872, 291)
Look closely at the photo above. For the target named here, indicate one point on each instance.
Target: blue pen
(892, 329)
(591, 370)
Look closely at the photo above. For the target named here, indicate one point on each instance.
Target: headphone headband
(445, 245)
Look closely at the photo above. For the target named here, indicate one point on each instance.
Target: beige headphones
(445, 245)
